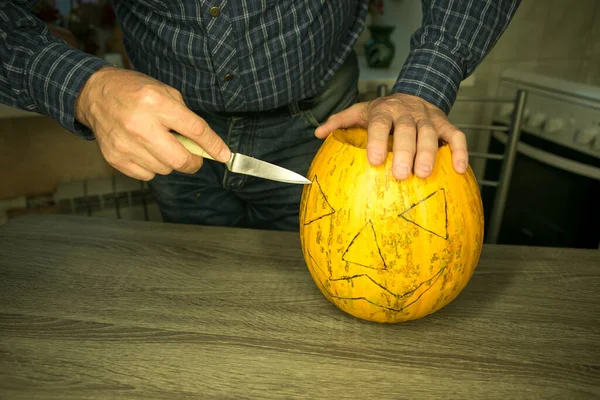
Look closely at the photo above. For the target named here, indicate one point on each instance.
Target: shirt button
(215, 11)
(228, 77)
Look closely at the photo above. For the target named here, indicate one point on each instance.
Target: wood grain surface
(109, 309)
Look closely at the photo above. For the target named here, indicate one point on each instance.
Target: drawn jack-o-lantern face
(382, 249)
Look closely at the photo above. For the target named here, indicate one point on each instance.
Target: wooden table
(100, 308)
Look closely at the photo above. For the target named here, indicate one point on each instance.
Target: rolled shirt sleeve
(39, 72)
(453, 40)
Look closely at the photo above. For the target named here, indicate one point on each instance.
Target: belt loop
(294, 108)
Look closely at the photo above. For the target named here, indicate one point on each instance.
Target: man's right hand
(131, 115)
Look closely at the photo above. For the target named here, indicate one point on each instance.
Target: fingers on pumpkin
(405, 136)
(427, 146)
(348, 118)
(458, 144)
(378, 131)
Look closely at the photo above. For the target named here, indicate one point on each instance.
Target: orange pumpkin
(382, 249)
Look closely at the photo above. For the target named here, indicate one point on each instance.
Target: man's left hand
(416, 125)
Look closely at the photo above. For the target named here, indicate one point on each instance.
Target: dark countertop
(102, 308)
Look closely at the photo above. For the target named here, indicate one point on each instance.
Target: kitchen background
(557, 38)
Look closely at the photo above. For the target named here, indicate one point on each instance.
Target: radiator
(118, 196)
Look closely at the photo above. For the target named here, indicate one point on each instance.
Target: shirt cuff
(55, 76)
(433, 74)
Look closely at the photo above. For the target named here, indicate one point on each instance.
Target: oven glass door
(554, 195)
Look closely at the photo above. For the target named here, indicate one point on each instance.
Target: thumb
(350, 117)
(187, 123)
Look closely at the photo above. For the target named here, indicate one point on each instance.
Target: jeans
(285, 137)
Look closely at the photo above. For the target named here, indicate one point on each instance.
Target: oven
(554, 193)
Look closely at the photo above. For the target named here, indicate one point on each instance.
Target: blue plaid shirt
(227, 55)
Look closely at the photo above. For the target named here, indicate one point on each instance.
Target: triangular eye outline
(318, 185)
(443, 190)
(360, 232)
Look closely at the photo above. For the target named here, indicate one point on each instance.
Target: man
(267, 79)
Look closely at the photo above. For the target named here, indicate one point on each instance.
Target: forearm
(454, 39)
(39, 72)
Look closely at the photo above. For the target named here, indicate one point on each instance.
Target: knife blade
(243, 164)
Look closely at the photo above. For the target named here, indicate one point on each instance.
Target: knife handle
(192, 146)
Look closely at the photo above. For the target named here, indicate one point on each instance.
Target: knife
(243, 164)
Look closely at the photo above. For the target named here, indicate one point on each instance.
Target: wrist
(433, 73)
(89, 93)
